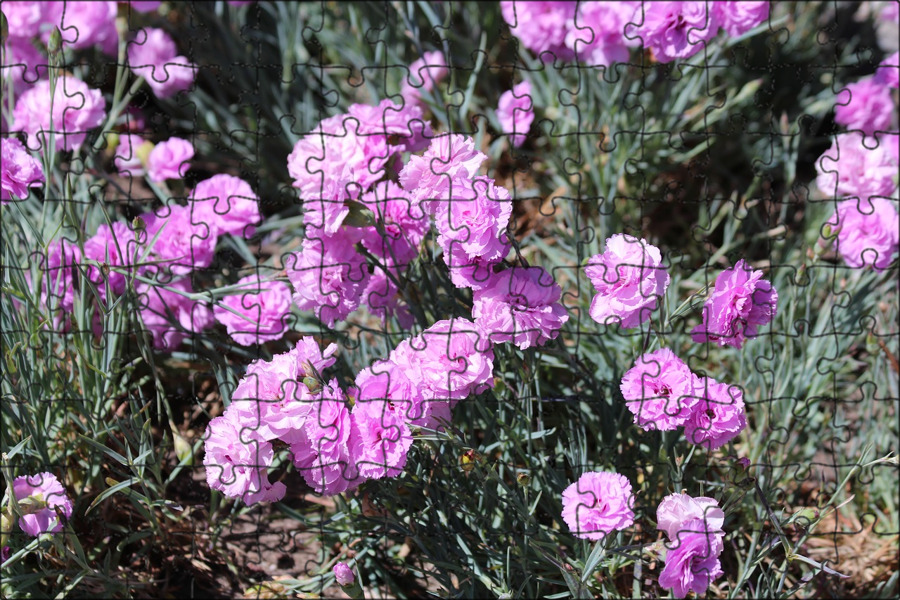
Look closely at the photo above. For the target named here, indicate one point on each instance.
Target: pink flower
(48, 496)
(677, 511)
(383, 298)
(322, 448)
(866, 106)
(153, 55)
(169, 316)
(449, 158)
(343, 574)
(75, 110)
(515, 111)
(127, 158)
(888, 72)
(741, 301)
(520, 305)
(237, 463)
(541, 26)
(598, 504)
(673, 30)
(182, 246)
(227, 204)
(737, 18)
(83, 24)
(115, 247)
(860, 167)
(169, 159)
(400, 224)
(719, 416)
(24, 18)
(382, 438)
(402, 123)
(23, 64)
(693, 562)
(596, 34)
(266, 305)
(20, 170)
(628, 277)
(658, 391)
(455, 359)
(145, 6)
(424, 74)
(328, 276)
(868, 233)
(397, 379)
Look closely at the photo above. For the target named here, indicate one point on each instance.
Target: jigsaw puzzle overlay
(496, 299)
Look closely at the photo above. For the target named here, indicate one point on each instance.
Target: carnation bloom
(47, 496)
(448, 159)
(182, 245)
(597, 33)
(128, 156)
(455, 359)
(153, 55)
(397, 379)
(737, 18)
(20, 170)
(328, 276)
(22, 63)
(692, 563)
(237, 461)
(658, 391)
(860, 167)
(866, 106)
(628, 277)
(114, 246)
(868, 233)
(888, 72)
(382, 436)
(24, 18)
(677, 510)
(520, 305)
(259, 311)
(673, 30)
(169, 159)
(741, 301)
(541, 26)
(598, 504)
(515, 111)
(168, 316)
(83, 24)
(424, 73)
(719, 415)
(400, 224)
(227, 204)
(72, 111)
(382, 297)
(343, 574)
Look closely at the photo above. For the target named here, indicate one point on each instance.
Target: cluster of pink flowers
(628, 278)
(693, 527)
(741, 302)
(515, 111)
(19, 171)
(152, 54)
(602, 33)
(40, 497)
(598, 504)
(663, 394)
(335, 448)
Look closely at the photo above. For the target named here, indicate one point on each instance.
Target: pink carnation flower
(658, 391)
(84, 24)
(22, 63)
(741, 301)
(237, 463)
(515, 111)
(860, 167)
(382, 297)
(127, 158)
(424, 74)
(49, 496)
(737, 18)
(343, 574)
(628, 277)
(328, 276)
(75, 110)
(227, 204)
(868, 233)
(382, 436)
(266, 305)
(719, 416)
(400, 224)
(541, 26)
(169, 159)
(673, 30)
(456, 359)
(520, 305)
(397, 379)
(676, 511)
(888, 72)
(23, 17)
(115, 247)
(182, 246)
(153, 55)
(449, 158)
(598, 504)
(169, 316)
(597, 33)
(693, 562)
(20, 170)
(404, 124)
(866, 106)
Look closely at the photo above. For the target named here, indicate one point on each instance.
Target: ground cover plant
(500, 299)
